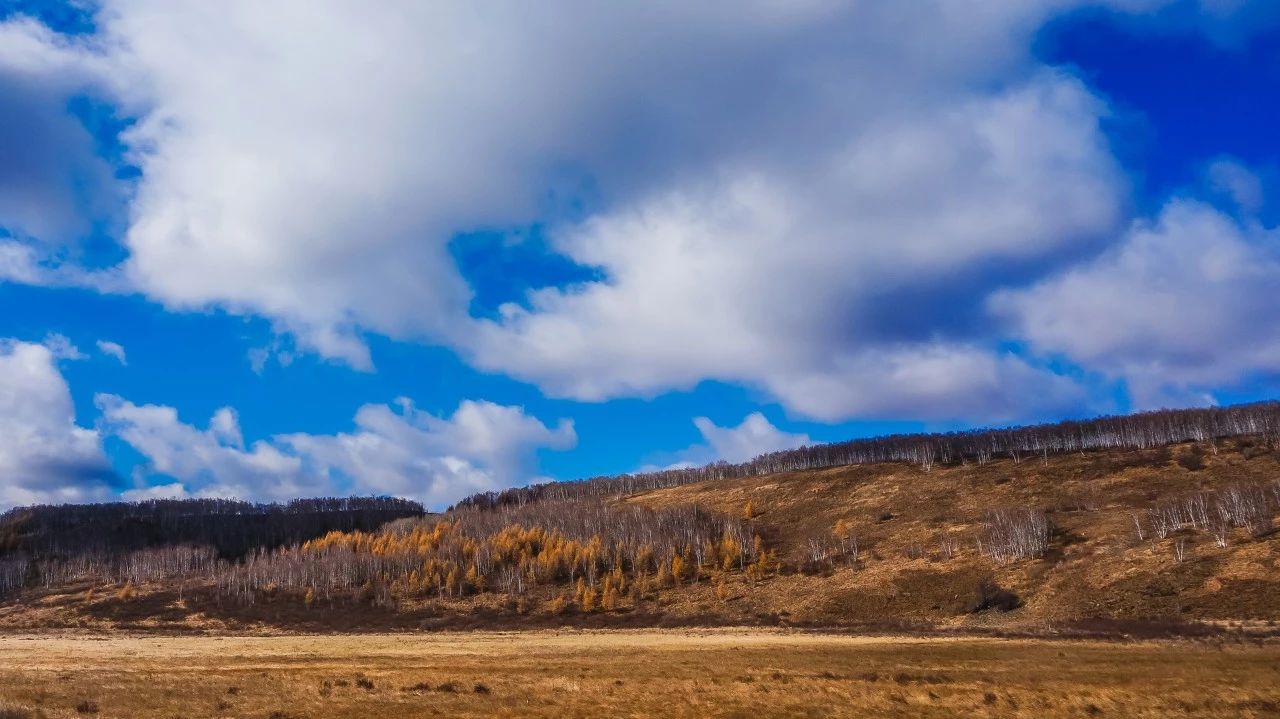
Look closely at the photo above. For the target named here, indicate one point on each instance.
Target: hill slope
(1180, 535)
(918, 533)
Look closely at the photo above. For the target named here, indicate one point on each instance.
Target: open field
(690, 673)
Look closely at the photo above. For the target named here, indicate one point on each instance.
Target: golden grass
(693, 673)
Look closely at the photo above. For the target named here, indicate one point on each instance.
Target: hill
(1169, 535)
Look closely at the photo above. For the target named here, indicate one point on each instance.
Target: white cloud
(53, 184)
(208, 462)
(1183, 304)
(45, 457)
(805, 280)
(753, 437)
(807, 197)
(62, 347)
(934, 381)
(756, 435)
(176, 490)
(30, 263)
(289, 158)
(113, 349)
(1238, 183)
(407, 453)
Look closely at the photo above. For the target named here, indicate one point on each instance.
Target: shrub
(87, 707)
(12, 712)
(988, 595)
(557, 604)
(1193, 459)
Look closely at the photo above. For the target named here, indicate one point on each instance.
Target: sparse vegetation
(1110, 534)
(1147, 430)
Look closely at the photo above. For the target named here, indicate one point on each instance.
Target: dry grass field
(691, 673)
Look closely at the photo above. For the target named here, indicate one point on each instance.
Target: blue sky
(429, 251)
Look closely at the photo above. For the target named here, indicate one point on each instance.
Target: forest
(48, 543)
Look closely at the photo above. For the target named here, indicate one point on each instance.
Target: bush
(988, 595)
(12, 712)
(1193, 459)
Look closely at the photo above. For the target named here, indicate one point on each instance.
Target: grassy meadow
(680, 673)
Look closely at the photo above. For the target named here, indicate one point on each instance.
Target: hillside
(1178, 537)
(918, 557)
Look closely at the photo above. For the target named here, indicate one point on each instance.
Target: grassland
(684, 673)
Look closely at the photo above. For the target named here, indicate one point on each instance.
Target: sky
(281, 249)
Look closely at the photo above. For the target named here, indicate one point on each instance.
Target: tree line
(1135, 431)
(231, 527)
(595, 555)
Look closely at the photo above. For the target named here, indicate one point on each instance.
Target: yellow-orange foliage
(557, 604)
(445, 558)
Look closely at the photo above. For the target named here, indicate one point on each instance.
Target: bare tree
(1012, 534)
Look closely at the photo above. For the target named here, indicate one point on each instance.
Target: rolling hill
(1157, 534)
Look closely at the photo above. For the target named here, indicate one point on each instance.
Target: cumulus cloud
(53, 183)
(322, 191)
(756, 435)
(114, 350)
(811, 198)
(45, 457)
(1184, 304)
(821, 283)
(397, 451)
